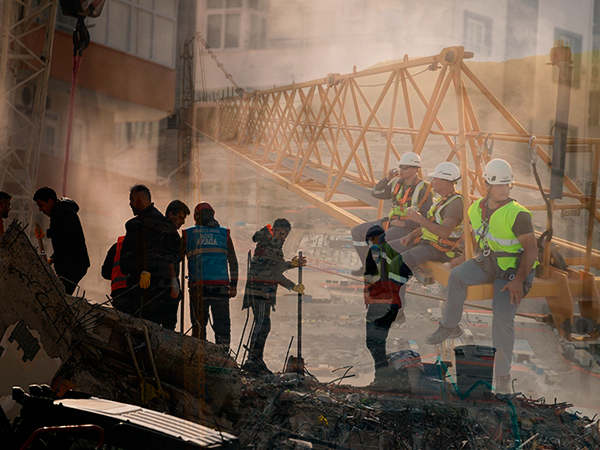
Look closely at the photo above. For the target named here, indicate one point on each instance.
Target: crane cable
(239, 90)
(81, 40)
(546, 235)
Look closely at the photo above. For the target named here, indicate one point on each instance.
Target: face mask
(376, 253)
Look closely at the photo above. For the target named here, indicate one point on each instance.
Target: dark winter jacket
(68, 240)
(266, 269)
(147, 246)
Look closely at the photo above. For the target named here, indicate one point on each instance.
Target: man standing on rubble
(149, 267)
(5, 198)
(176, 213)
(213, 274)
(408, 190)
(265, 275)
(384, 276)
(507, 257)
(70, 258)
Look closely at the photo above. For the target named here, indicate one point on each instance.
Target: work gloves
(298, 262)
(174, 288)
(145, 280)
(299, 288)
(39, 233)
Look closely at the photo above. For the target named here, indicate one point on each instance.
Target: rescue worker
(5, 207)
(440, 233)
(506, 257)
(265, 275)
(70, 257)
(213, 274)
(176, 213)
(384, 276)
(145, 260)
(408, 190)
(111, 270)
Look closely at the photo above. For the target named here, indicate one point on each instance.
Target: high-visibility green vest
(400, 207)
(435, 215)
(498, 236)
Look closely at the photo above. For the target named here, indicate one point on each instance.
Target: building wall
(309, 39)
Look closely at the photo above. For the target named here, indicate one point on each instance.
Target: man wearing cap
(213, 274)
(506, 257)
(265, 275)
(384, 276)
(406, 190)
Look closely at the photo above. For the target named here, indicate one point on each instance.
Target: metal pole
(300, 365)
(561, 57)
(182, 315)
(592, 206)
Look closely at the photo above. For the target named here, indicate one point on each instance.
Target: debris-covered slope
(199, 381)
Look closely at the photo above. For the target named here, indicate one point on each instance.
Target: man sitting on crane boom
(506, 257)
(408, 190)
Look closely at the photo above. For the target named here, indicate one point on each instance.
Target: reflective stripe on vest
(400, 204)
(117, 279)
(435, 215)
(206, 249)
(499, 236)
(385, 286)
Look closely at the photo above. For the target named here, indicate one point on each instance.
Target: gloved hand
(388, 319)
(174, 288)
(39, 233)
(145, 280)
(297, 262)
(299, 288)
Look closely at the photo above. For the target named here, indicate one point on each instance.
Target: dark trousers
(261, 327)
(377, 334)
(70, 278)
(207, 300)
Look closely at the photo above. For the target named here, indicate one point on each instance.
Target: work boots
(503, 384)
(443, 333)
(385, 379)
(256, 367)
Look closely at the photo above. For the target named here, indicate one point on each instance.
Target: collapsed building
(72, 344)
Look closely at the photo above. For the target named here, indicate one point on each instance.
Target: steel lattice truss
(24, 66)
(312, 138)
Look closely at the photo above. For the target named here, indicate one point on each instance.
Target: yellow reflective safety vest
(446, 245)
(497, 237)
(403, 197)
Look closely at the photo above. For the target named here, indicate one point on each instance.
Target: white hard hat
(410, 159)
(446, 171)
(498, 171)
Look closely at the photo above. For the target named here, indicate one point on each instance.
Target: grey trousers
(468, 274)
(392, 237)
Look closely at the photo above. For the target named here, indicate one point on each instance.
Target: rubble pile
(314, 415)
(119, 357)
(105, 352)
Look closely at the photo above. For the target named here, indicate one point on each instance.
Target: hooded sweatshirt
(68, 240)
(266, 268)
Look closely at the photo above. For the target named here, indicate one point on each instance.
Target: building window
(146, 28)
(574, 41)
(223, 23)
(478, 34)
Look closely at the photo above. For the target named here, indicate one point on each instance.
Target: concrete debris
(200, 382)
